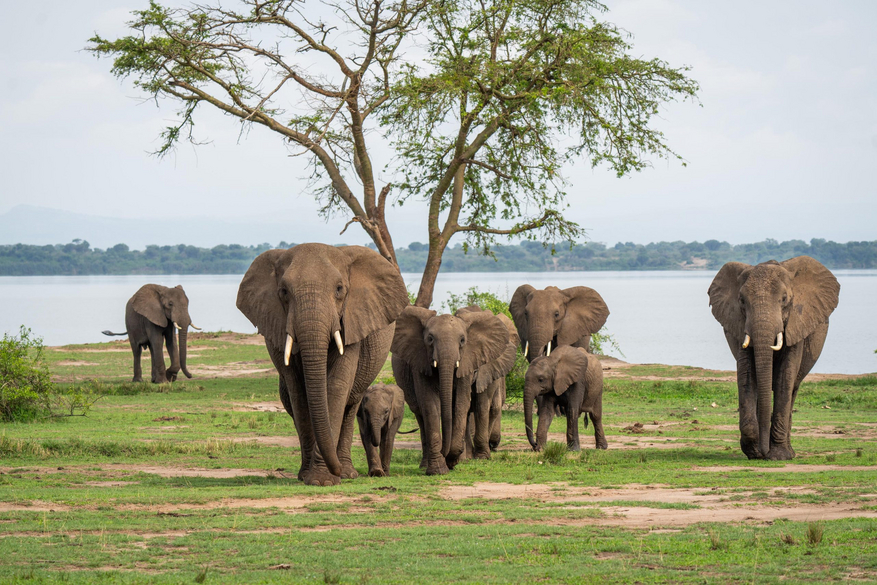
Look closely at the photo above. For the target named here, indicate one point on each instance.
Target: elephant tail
(414, 430)
(108, 332)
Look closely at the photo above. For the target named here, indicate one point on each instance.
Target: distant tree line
(78, 257)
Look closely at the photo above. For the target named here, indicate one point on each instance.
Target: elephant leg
(137, 351)
(784, 384)
(547, 408)
(572, 428)
(746, 400)
(481, 420)
(388, 441)
(301, 417)
(375, 469)
(599, 435)
(431, 424)
(174, 353)
(496, 416)
(422, 432)
(468, 447)
(345, 442)
(157, 356)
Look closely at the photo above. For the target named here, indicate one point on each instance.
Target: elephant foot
(137, 379)
(171, 377)
(481, 455)
(347, 472)
(780, 453)
(438, 468)
(319, 477)
(573, 447)
(750, 449)
(377, 472)
(493, 444)
(602, 444)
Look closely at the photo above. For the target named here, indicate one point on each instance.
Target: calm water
(656, 317)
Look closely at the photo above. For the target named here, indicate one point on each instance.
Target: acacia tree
(483, 100)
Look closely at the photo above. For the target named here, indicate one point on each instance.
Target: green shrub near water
(26, 386)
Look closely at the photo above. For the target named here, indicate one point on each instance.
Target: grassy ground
(195, 481)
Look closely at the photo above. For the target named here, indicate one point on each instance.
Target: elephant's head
(555, 373)
(375, 410)
(766, 308)
(163, 305)
(452, 348)
(552, 317)
(315, 300)
(503, 364)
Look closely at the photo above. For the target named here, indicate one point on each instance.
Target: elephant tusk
(527, 349)
(548, 353)
(193, 327)
(177, 326)
(458, 364)
(434, 363)
(288, 350)
(746, 342)
(339, 343)
(779, 344)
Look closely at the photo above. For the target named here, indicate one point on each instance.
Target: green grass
(81, 500)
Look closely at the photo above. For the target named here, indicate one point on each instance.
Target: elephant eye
(429, 338)
(541, 379)
(556, 314)
(462, 341)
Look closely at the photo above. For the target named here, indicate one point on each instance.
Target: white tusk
(526, 349)
(548, 353)
(193, 327)
(288, 350)
(339, 343)
(458, 364)
(177, 326)
(779, 344)
(746, 342)
(434, 364)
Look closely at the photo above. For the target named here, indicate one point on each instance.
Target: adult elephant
(775, 318)
(488, 392)
(435, 358)
(327, 316)
(151, 316)
(553, 317)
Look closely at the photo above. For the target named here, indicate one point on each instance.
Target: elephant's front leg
(572, 427)
(547, 406)
(431, 416)
(345, 441)
(375, 469)
(496, 415)
(746, 400)
(174, 353)
(481, 442)
(156, 342)
(388, 442)
(781, 422)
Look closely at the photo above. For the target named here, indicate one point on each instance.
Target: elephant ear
(517, 305)
(258, 299)
(486, 338)
(586, 313)
(814, 296)
(377, 293)
(147, 302)
(501, 366)
(572, 363)
(408, 344)
(724, 295)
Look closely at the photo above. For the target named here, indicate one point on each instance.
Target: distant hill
(78, 257)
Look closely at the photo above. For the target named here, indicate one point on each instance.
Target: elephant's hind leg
(599, 435)
(137, 350)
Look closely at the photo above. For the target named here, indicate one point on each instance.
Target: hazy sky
(784, 145)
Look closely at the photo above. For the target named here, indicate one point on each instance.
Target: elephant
(775, 319)
(573, 378)
(488, 394)
(435, 359)
(150, 318)
(552, 317)
(379, 416)
(327, 316)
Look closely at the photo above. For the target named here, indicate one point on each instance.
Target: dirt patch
(231, 370)
(164, 471)
(229, 337)
(111, 483)
(803, 468)
(32, 506)
(260, 407)
(75, 363)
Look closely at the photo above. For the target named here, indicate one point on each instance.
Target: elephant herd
(331, 315)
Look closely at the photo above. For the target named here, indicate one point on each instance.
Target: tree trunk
(430, 272)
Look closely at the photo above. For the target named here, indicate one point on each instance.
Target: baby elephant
(379, 416)
(572, 379)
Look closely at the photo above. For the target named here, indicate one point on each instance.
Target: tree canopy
(483, 102)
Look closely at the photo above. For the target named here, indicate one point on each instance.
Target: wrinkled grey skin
(379, 416)
(562, 317)
(488, 392)
(794, 298)
(308, 293)
(572, 378)
(439, 395)
(150, 319)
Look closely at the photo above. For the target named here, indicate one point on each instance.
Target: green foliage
(554, 453)
(26, 389)
(486, 300)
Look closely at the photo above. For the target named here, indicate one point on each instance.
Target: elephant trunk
(313, 335)
(446, 397)
(764, 355)
(529, 398)
(375, 425)
(184, 335)
(539, 341)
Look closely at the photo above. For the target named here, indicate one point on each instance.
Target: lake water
(656, 317)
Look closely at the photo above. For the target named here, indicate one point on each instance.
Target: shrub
(25, 383)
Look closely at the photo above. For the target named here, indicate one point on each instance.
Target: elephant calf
(379, 416)
(572, 379)
(151, 316)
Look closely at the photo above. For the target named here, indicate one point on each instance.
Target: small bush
(814, 533)
(26, 389)
(554, 453)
